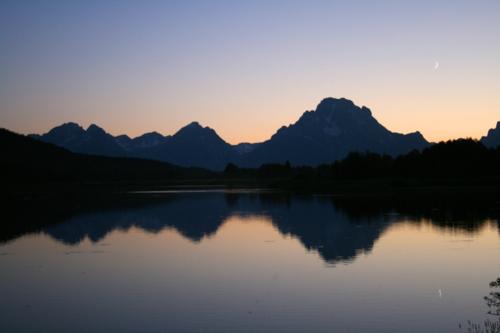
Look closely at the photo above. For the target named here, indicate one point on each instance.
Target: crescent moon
(436, 65)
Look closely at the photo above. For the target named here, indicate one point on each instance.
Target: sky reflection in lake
(233, 262)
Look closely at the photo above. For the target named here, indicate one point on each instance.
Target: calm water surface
(250, 262)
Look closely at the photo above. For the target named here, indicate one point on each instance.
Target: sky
(246, 68)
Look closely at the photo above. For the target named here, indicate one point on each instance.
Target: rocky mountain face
(336, 128)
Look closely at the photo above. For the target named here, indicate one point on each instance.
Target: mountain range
(29, 161)
(329, 133)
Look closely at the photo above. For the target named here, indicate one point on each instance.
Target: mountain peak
(193, 127)
(332, 117)
(95, 129)
(336, 128)
(335, 104)
(193, 124)
(147, 140)
(65, 131)
(153, 134)
(333, 100)
(340, 108)
(69, 126)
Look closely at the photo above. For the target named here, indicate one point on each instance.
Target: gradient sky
(245, 68)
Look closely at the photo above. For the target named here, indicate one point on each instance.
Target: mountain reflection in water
(338, 228)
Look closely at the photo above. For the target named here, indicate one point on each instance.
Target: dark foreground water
(250, 262)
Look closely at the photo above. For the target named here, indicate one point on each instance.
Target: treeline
(458, 161)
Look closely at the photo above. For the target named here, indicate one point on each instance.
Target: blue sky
(246, 68)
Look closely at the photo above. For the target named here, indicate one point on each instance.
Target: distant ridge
(329, 133)
(29, 161)
(192, 145)
(73, 137)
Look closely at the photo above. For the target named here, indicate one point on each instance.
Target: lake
(249, 261)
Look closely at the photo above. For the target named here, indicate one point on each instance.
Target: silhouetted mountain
(330, 133)
(144, 141)
(93, 141)
(29, 161)
(492, 139)
(245, 147)
(335, 129)
(193, 145)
